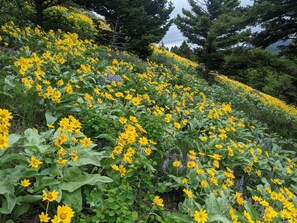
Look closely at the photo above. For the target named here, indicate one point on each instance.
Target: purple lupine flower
(240, 183)
(181, 156)
(165, 166)
(256, 205)
(115, 78)
(173, 156)
(268, 143)
(166, 162)
(102, 81)
(181, 169)
(257, 139)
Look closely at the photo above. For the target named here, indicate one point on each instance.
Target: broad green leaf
(48, 133)
(212, 207)
(73, 200)
(32, 137)
(10, 157)
(182, 218)
(42, 183)
(85, 161)
(96, 178)
(50, 118)
(176, 179)
(28, 198)
(219, 218)
(13, 138)
(6, 187)
(134, 216)
(8, 203)
(250, 208)
(72, 173)
(91, 179)
(40, 148)
(20, 210)
(108, 137)
(72, 186)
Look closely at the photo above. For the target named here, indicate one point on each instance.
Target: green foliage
(167, 149)
(277, 19)
(274, 119)
(20, 12)
(111, 204)
(70, 20)
(40, 6)
(53, 173)
(184, 51)
(137, 24)
(98, 123)
(264, 71)
(214, 29)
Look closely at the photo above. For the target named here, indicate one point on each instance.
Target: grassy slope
(176, 110)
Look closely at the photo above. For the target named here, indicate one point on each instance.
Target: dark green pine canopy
(137, 23)
(214, 27)
(278, 20)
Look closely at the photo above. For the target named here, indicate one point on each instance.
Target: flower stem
(47, 205)
(151, 212)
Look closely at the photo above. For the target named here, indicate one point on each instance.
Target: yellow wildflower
(201, 216)
(64, 214)
(34, 163)
(122, 170)
(25, 183)
(188, 193)
(148, 151)
(3, 141)
(61, 161)
(239, 199)
(176, 163)
(43, 217)
(143, 141)
(158, 201)
(50, 196)
(176, 125)
(122, 120)
(85, 142)
(269, 214)
(184, 181)
(192, 164)
(204, 183)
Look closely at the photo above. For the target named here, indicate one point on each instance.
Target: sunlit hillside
(89, 134)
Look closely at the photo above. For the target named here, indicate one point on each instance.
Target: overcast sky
(174, 36)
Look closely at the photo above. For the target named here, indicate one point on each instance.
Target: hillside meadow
(89, 134)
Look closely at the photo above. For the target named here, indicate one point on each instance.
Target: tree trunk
(115, 34)
(39, 12)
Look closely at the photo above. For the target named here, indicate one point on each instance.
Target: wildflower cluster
(152, 121)
(176, 57)
(264, 98)
(130, 141)
(64, 215)
(5, 117)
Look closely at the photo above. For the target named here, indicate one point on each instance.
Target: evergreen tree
(137, 23)
(215, 28)
(184, 51)
(264, 71)
(40, 6)
(278, 20)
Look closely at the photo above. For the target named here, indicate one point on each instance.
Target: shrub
(70, 20)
